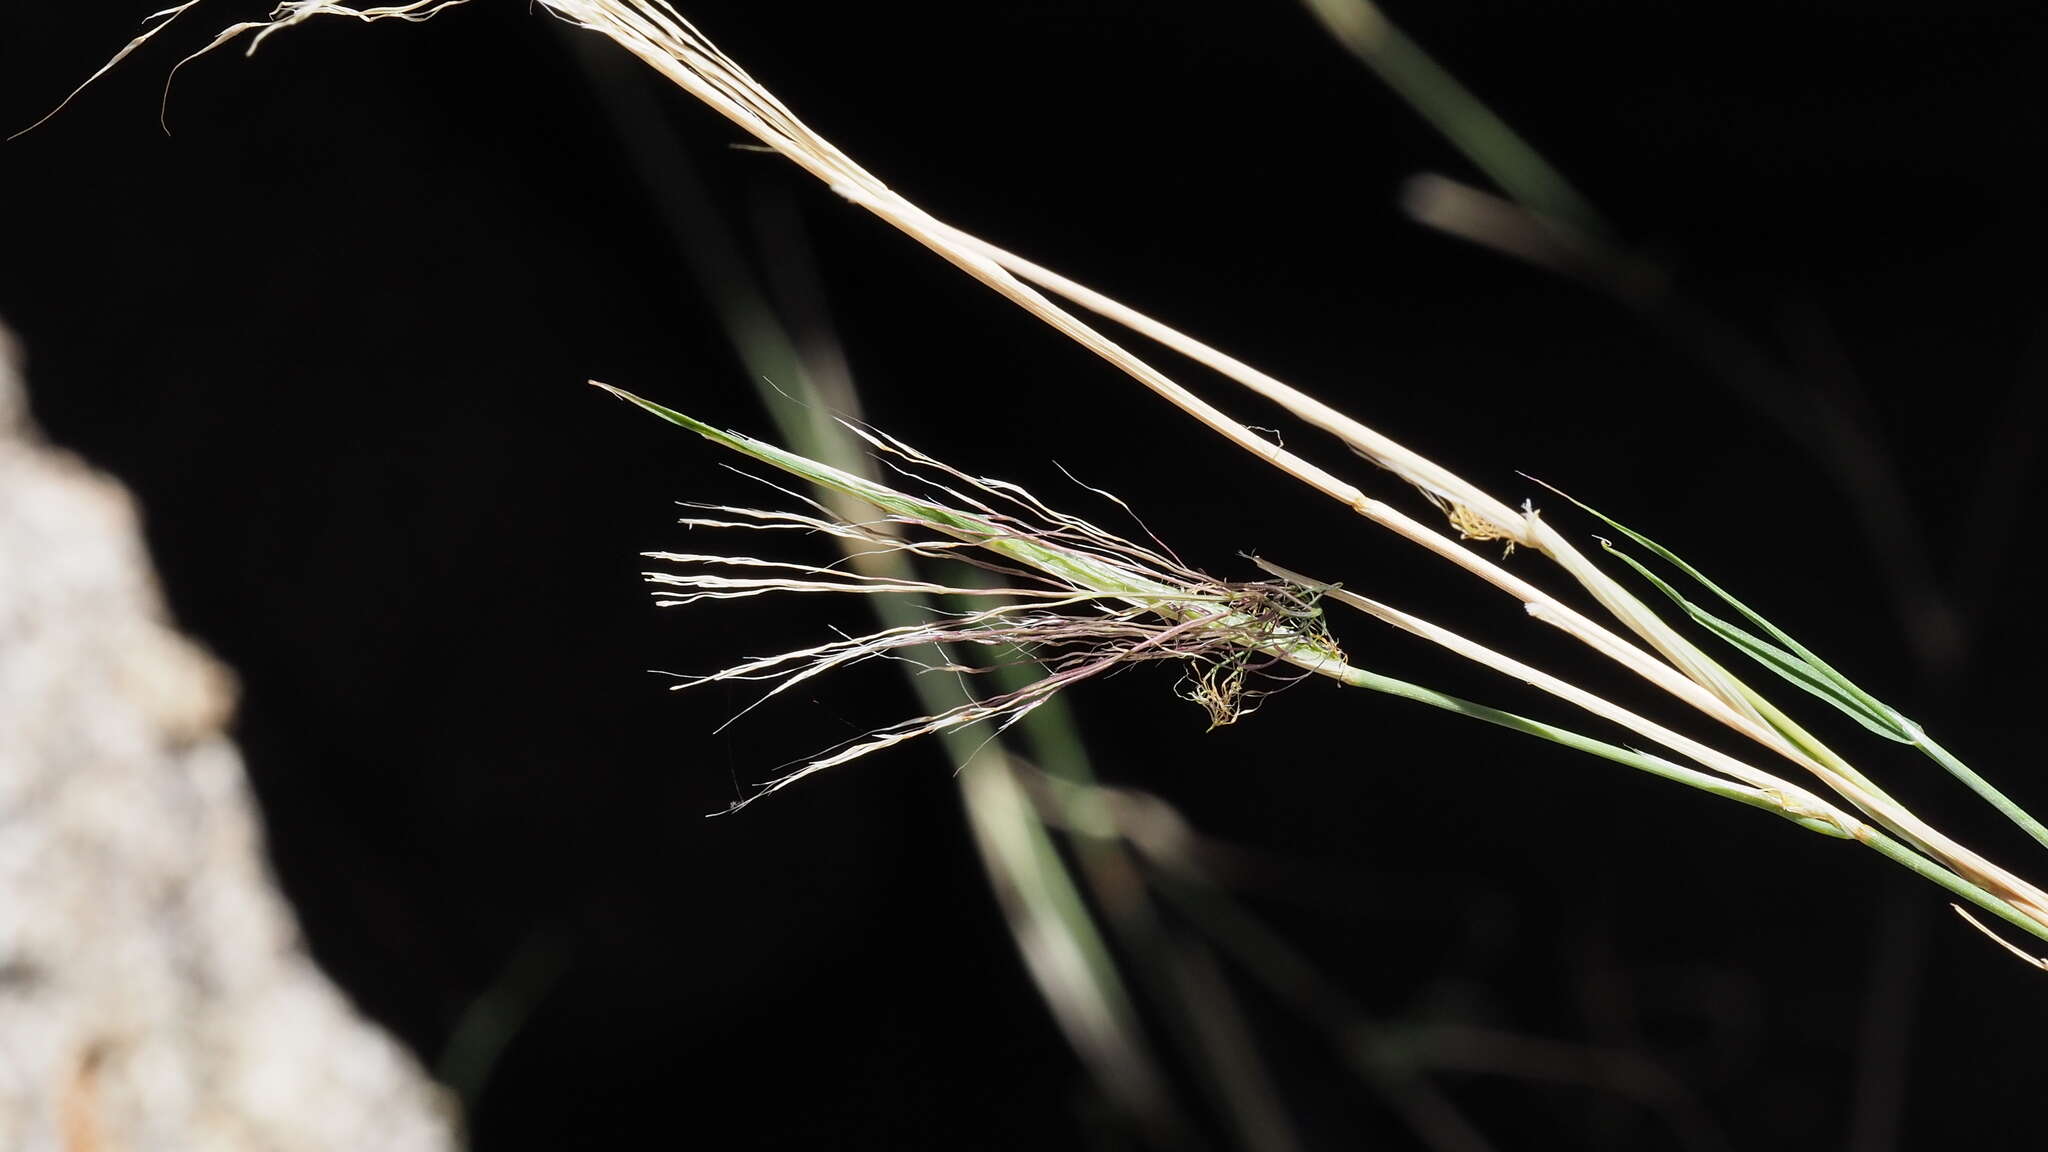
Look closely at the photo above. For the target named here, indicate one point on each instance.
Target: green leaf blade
(1801, 673)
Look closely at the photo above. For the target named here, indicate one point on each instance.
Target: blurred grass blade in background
(1440, 98)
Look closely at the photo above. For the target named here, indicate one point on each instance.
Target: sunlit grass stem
(655, 33)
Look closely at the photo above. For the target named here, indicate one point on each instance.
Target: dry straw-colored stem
(670, 44)
(667, 42)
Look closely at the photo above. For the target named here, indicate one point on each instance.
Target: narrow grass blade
(1800, 673)
(1698, 577)
(1797, 664)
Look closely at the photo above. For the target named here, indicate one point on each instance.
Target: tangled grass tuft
(1040, 588)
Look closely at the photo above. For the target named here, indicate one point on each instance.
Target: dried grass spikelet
(285, 15)
(1063, 595)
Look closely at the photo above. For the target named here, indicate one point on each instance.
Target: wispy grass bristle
(1082, 601)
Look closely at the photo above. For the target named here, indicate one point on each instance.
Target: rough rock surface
(154, 991)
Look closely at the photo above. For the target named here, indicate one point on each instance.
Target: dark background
(334, 331)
